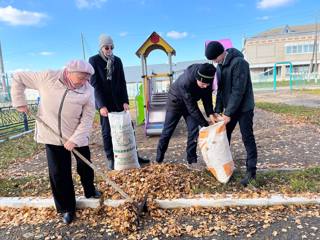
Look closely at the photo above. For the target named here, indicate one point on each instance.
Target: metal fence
(12, 122)
(299, 80)
(4, 88)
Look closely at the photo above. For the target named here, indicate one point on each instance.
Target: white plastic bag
(123, 141)
(215, 150)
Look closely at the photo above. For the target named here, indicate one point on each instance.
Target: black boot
(110, 164)
(248, 178)
(192, 160)
(95, 194)
(142, 160)
(159, 157)
(68, 217)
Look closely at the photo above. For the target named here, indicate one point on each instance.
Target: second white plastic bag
(123, 141)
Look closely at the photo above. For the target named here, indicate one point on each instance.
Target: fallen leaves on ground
(125, 218)
(195, 222)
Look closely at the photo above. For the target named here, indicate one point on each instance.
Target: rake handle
(76, 152)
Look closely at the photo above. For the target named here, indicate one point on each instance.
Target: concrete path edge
(21, 202)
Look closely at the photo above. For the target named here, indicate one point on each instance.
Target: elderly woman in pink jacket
(66, 106)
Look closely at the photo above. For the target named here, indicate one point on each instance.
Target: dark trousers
(170, 124)
(245, 120)
(60, 175)
(106, 137)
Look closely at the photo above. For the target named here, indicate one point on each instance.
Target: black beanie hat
(213, 50)
(206, 73)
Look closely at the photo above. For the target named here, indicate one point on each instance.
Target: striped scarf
(109, 67)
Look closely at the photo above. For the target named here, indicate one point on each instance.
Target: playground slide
(156, 114)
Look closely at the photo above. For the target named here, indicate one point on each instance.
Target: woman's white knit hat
(105, 40)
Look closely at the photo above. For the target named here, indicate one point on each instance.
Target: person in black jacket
(110, 91)
(194, 84)
(235, 99)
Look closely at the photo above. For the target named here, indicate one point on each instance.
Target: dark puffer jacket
(111, 94)
(234, 85)
(184, 94)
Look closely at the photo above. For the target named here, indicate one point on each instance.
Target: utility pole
(315, 49)
(243, 43)
(83, 50)
(2, 75)
(8, 87)
(313, 68)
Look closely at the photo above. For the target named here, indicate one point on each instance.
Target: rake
(141, 207)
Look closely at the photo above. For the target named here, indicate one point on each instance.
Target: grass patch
(96, 119)
(22, 147)
(269, 84)
(296, 181)
(279, 181)
(296, 83)
(308, 114)
(26, 186)
(309, 91)
(308, 180)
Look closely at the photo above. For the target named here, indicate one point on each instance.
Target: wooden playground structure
(151, 103)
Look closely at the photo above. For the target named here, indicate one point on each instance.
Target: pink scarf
(67, 81)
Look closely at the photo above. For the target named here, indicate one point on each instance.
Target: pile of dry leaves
(161, 181)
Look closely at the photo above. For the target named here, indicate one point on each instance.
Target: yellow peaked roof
(153, 42)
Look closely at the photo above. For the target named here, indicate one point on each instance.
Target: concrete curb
(17, 202)
(16, 136)
(35, 202)
(20, 134)
(232, 202)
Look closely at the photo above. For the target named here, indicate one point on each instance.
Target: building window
(294, 49)
(289, 49)
(301, 69)
(300, 48)
(309, 48)
(268, 71)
